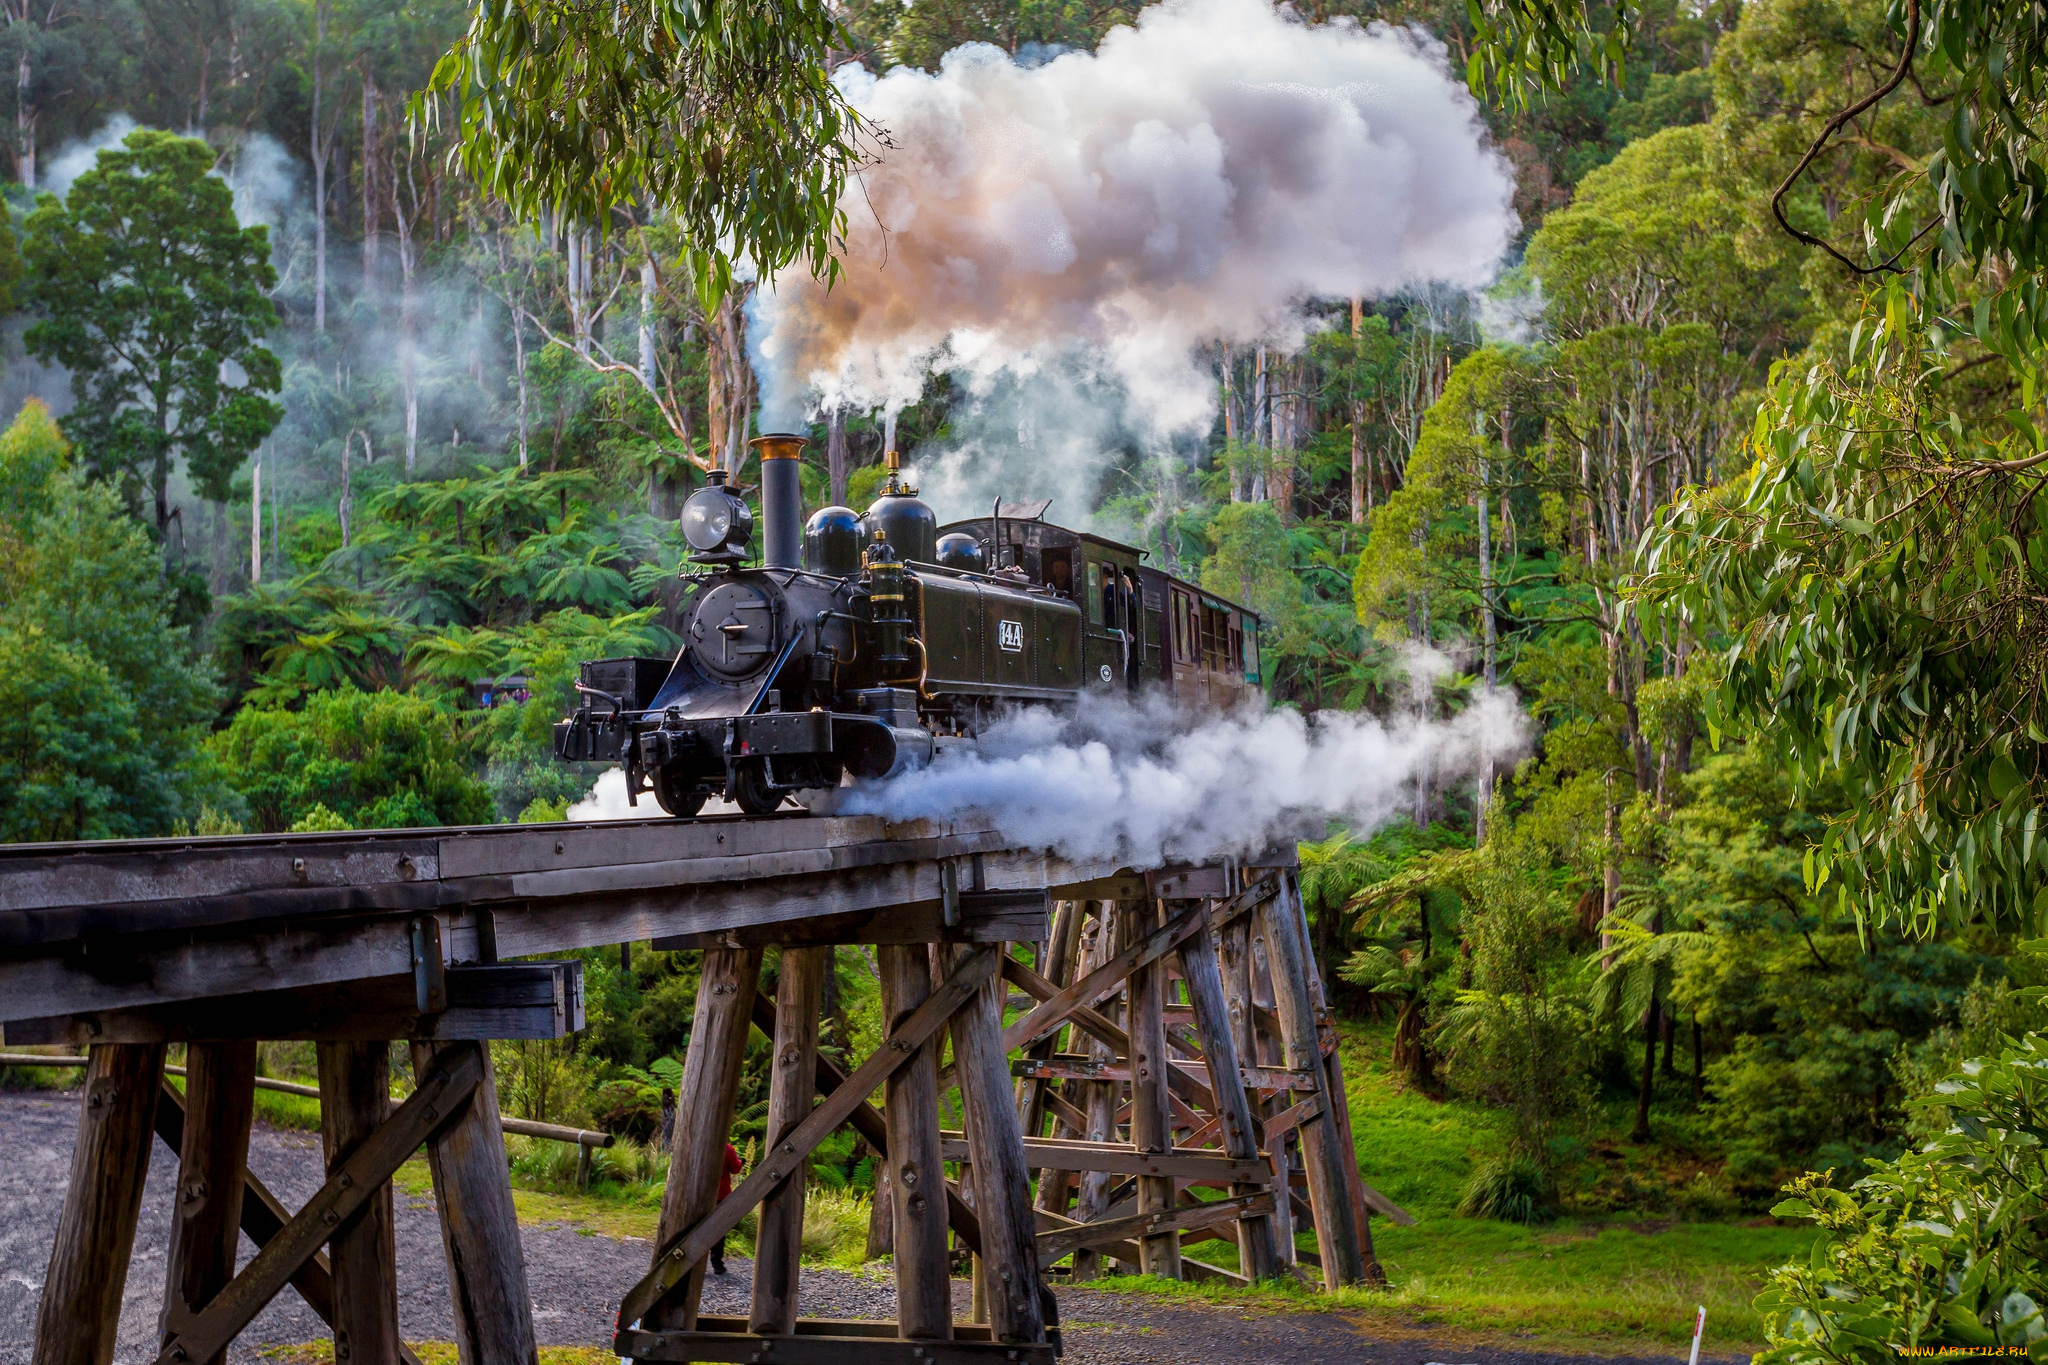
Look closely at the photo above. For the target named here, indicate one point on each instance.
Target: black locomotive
(863, 645)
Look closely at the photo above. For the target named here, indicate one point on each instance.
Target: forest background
(347, 587)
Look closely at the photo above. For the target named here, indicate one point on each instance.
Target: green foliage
(156, 301)
(1250, 564)
(1816, 1015)
(726, 121)
(376, 760)
(33, 452)
(103, 708)
(1867, 571)
(1517, 1036)
(1942, 1247)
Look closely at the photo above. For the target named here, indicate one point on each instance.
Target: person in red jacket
(733, 1166)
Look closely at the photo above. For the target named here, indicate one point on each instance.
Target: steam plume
(1150, 784)
(1193, 179)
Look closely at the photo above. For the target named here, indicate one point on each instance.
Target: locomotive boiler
(862, 645)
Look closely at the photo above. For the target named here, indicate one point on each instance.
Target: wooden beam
(1099, 1098)
(355, 1100)
(1057, 1245)
(80, 1313)
(1150, 1064)
(1204, 975)
(883, 1328)
(1002, 1180)
(924, 1293)
(1102, 1029)
(366, 1172)
(1323, 1154)
(869, 1123)
(728, 981)
(263, 1216)
(213, 1165)
(479, 1228)
(1120, 1158)
(1073, 1067)
(792, 1083)
(504, 1000)
(824, 1350)
(1105, 979)
(688, 1250)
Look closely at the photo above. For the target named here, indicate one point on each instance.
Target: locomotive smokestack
(782, 500)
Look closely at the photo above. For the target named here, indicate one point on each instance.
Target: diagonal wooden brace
(263, 1217)
(868, 1122)
(775, 1165)
(1099, 984)
(1052, 1246)
(199, 1336)
(1091, 1021)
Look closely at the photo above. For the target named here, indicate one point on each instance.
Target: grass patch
(1575, 1286)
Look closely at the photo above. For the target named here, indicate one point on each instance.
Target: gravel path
(576, 1277)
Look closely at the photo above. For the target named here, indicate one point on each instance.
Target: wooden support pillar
(924, 1293)
(1091, 1201)
(80, 1314)
(1257, 1253)
(355, 1099)
(791, 1087)
(704, 1107)
(1336, 1095)
(213, 1163)
(479, 1228)
(1323, 1155)
(1058, 968)
(1245, 940)
(1002, 1182)
(1151, 1111)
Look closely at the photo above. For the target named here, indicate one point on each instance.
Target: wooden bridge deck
(130, 923)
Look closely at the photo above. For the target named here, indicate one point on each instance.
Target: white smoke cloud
(1195, 178)
(1149, 784)
(75, 158)
(606, 800)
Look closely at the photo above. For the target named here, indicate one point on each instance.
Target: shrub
(1946, 1246)
(835, 1226)
(1513, 1188)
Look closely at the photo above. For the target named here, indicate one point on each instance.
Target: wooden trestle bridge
(1171, 1034)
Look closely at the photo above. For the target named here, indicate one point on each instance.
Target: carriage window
(1107, 611)
(1095, 593)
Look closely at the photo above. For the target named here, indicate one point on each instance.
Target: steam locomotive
(864, 645)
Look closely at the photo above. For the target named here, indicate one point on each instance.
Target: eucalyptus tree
(156, 300)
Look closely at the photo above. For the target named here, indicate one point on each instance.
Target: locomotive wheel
(677, 795)
(751, 790)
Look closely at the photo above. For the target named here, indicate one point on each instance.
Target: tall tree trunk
(370, 199)
(408, 334)
(648, 376)
(319, 148)
(1641, 1132)
(256, 522)
(1358, 488)
(25, 116)
(1699, 1064)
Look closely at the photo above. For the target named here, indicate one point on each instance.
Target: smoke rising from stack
(1152, 784)
(1194, 179)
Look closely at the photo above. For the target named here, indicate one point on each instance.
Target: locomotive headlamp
(716, 522)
